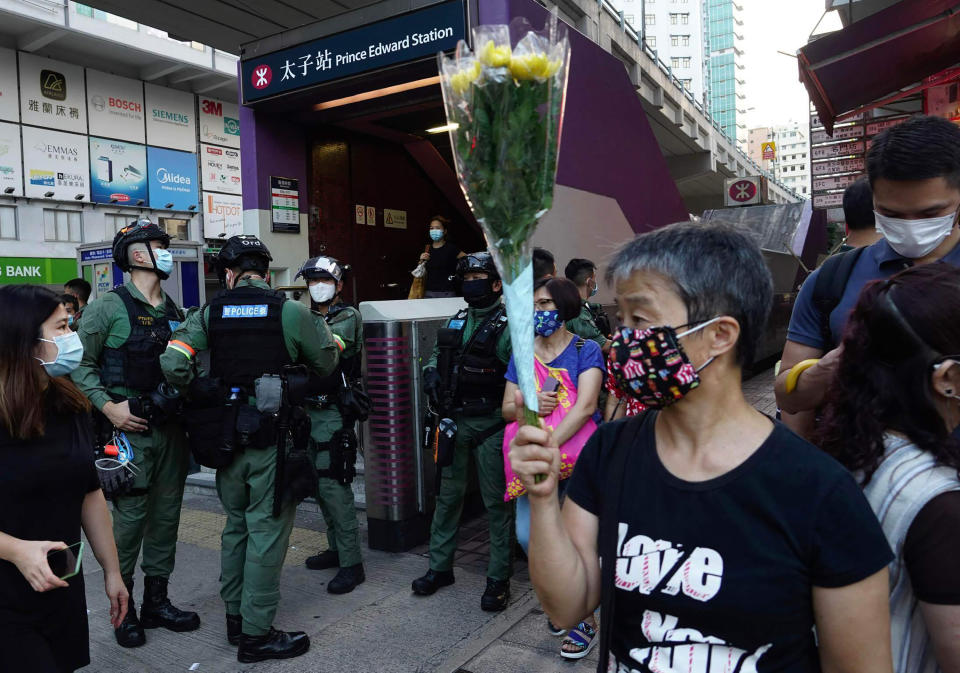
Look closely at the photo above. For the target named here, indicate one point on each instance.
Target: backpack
(830, 286)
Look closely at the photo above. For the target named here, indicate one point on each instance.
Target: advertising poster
(44, 270)
(101, 278)
(11, 165)
(222, 214)
(219, 122)
(285, 204)
(52, 94)
(173, 178)
(115, 106)
(55, 162)
(220, 167)
(118, 172)
(171, 118)
(9, 101)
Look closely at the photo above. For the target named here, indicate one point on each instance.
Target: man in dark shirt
(858, 216)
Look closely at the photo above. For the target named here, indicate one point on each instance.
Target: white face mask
(915, 238)
(323, 292)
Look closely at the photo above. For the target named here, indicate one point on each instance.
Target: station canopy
(226, 24)
(880, 58)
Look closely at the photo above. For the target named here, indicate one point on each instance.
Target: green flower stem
(532, 418)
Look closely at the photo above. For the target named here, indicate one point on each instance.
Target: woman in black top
(725, 538)
(48, 489)
(441, 259)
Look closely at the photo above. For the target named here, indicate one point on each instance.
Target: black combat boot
(324, 560)
(157, 610)
(234, 628)
(273, 645)
(433, 580)
(496, 596)
(347, 579)
(130, 632)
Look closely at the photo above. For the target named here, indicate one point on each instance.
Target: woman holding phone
(49, 490)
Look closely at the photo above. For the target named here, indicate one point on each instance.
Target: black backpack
(830, 286)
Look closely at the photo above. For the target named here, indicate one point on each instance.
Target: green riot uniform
(254, 542)
(150, 514)
(480, 432)
(336, 499)
(585, 327)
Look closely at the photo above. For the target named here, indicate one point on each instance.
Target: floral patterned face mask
(546, 323)
(651, 366)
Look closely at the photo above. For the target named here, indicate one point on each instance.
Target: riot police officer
(465, 378)
(253, 334)
(333, 440)
(123, 333)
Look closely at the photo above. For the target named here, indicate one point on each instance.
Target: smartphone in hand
(65, 563)
(550, 385)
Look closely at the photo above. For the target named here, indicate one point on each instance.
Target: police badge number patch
(245, 311)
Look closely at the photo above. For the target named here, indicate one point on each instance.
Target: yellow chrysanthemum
(462, 79)
(533, 66)
(493, 56)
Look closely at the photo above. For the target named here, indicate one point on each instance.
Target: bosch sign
(124, 104)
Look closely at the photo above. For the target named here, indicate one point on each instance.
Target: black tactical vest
(477, 371)
(246, 335)
(136, 363)
(350, 367)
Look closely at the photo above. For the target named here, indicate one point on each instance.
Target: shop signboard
(118, 172)
(837, 182)
(56, 162)
(37, 270)
(285, 204)
(171, 118)
(52, 94)
(220, 169)
(816, 123)
(172, 179)
(837, 166)
(219, 122)
(399, 39)
(883, 124)
(222, 214)
(828, 200)
(11, 164)
(9, 99)
(115, 106)
(838, 150)
(839, 133)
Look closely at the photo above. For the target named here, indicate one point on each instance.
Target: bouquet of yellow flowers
(504, 104)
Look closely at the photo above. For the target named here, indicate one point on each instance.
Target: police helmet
(321, 267)
(477, 261)
(138, 231)
(246, 252)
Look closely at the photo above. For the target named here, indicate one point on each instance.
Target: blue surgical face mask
(70, 321)
(436, 234)
(69, 354)
(546, 323)
(596, 288)
(164, 260)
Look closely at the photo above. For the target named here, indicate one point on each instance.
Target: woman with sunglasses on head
(49, 489)
(712, 537)
(891, 417)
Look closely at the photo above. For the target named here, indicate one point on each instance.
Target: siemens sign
(173, 178)
(400, 39)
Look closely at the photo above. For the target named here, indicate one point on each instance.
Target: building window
(650, 19)
(114, 222)
(674, 62)
(177, 227)
(687, 83)
(684, 40)
(629, 18)
(674, 40)
(652, 41)
(62, 225)
(684, 19)
(674, 19)
(685, 62)
(8, 222)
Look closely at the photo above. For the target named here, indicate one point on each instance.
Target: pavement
(379, 627)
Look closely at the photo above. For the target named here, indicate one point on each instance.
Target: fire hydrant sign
(399, 39)
(285, 204)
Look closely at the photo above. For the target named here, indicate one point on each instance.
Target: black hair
(921, 148)
(565, 295)
(579, 269)
(445, 221)
(81, 287)
(70, 299)
(543, 263)
(858, 206)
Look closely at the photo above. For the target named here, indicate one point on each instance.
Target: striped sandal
(584, 637)
(555, 630)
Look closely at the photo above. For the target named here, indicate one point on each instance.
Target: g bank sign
(173, 178)
(396, 40)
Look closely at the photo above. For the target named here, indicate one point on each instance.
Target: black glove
(431, 384)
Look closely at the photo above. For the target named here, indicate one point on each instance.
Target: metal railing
(635, 36)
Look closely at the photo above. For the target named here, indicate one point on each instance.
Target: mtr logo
(261, 77)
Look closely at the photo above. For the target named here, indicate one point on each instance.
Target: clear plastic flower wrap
(504, 103)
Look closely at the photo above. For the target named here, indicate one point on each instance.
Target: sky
(772, 86)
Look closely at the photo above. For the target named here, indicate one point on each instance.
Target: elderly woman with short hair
(725, 538)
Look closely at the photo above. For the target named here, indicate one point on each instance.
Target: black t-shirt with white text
(717, 576)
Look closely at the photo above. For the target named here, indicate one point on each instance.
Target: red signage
(261, 77)
(838, 150)
(743, 191)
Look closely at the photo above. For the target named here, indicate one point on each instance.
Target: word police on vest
(247, 311)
